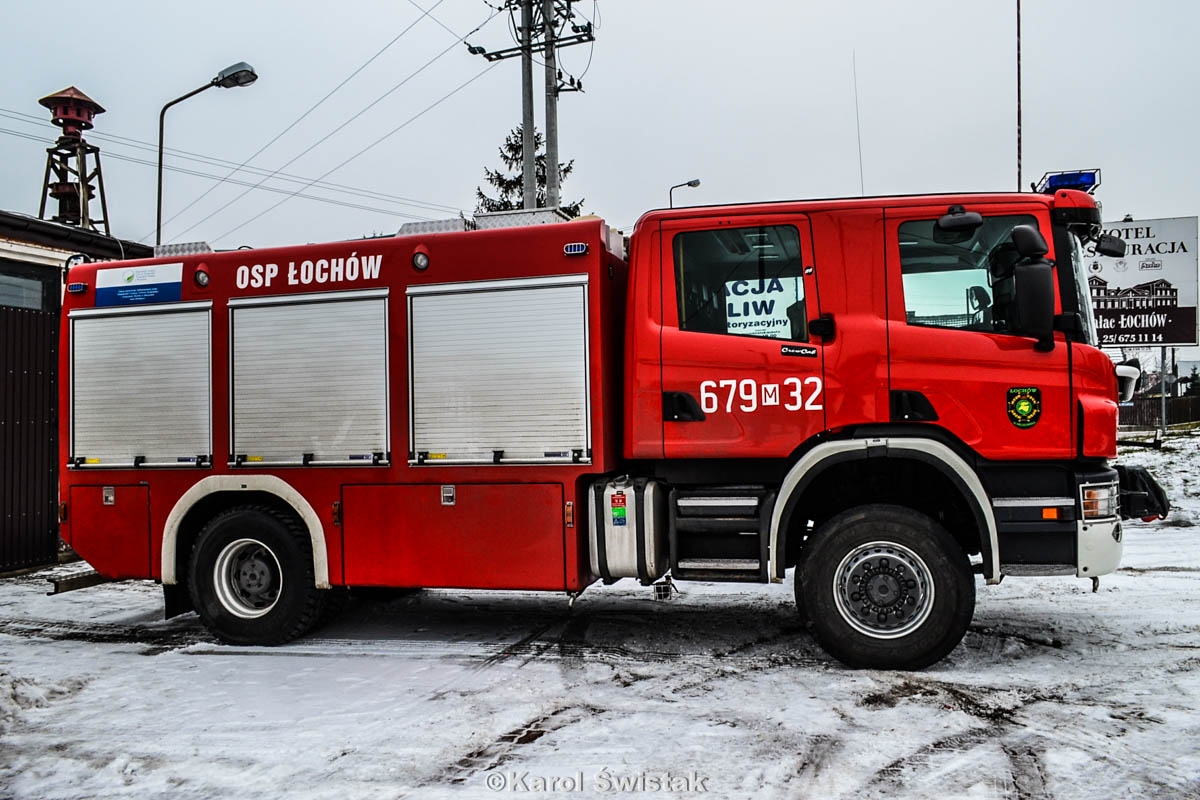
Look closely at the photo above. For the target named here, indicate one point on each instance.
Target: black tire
(919, 594)
(251, 577)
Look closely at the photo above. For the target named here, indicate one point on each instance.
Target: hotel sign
(1148, 297)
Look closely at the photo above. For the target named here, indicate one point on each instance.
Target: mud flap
(176, 600)
(1141, 496)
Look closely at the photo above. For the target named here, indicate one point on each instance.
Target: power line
(327, 136)
(289, 178)
(275, 190)
(208, 176)
(373, 144)
(277, 174)
(312, 108)
(123, 141)
(441, 24)
(513, 32)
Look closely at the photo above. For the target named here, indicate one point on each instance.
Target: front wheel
(887, 587)
(251, 577)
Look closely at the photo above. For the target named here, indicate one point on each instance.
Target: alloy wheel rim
(248, 578)
(883, 590)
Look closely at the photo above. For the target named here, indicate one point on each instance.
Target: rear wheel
(887, 587)
(251, 577)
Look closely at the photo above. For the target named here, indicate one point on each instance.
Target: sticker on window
(760, 307)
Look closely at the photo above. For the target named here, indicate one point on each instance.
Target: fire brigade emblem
(1024, 406)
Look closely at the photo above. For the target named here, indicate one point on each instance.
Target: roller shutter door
(309, 378)
(141, 386)
(499, 372)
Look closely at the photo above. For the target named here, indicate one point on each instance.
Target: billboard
(1148, 297)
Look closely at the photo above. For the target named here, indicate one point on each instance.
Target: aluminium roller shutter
(141, 386)
(499, 371)
(309, 378)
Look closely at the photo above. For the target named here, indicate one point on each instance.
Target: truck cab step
(720, 533)
(719, 563)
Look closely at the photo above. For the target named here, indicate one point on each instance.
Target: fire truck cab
(889, 395)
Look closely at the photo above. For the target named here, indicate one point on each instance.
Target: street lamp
(694, 182)
(239, 74)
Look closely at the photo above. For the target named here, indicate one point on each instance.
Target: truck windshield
(1083, 299)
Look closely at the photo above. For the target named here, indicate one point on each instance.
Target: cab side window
(960, 279)
(741, 282)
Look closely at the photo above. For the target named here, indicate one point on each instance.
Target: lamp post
(694, 182)
(239, 74)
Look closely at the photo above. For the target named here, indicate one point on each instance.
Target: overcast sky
(754, 98)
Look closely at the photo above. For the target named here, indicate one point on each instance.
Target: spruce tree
(508, 181)
(1193, 389)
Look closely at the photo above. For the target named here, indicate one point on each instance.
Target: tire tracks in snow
(506, 747)
(1011, 731)
(156, 639)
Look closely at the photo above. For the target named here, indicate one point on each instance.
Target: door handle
(823, 327)
(681, 407)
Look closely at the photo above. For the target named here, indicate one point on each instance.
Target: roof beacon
(1085, 180)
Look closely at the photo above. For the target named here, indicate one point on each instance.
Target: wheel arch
(936, 455)
(216, 493)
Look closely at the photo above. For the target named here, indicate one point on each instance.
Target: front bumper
(1100, 544)
(1077, 532)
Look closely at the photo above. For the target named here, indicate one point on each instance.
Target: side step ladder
(721, 533)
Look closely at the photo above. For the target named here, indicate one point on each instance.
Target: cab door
(741, 374)
(951, 341)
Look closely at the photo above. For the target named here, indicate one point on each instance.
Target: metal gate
(30, 302)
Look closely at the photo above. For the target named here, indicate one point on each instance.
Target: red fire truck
(889, 395)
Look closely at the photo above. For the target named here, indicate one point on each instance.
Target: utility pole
(528, 147)
(550, 18)
(541, 36)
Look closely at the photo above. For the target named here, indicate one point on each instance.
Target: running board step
(719, 563)
(80, 581)
(721, 533)
(741, 526)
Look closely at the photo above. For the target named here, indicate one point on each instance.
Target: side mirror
(1033, 311)
(1029, 241)
(1112, 246)
(1128, 373)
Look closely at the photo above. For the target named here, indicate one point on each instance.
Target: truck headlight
(1101, 500)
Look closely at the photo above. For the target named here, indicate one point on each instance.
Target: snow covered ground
(1055, 692)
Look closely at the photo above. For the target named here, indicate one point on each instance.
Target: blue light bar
(1084, 180)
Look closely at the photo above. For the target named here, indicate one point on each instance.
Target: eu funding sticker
(124, 286)
(1148, 296)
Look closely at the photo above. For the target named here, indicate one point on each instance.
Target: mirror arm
(1068, 323)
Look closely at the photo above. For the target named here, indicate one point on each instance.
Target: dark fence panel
(1146, 412)
(29, 421)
